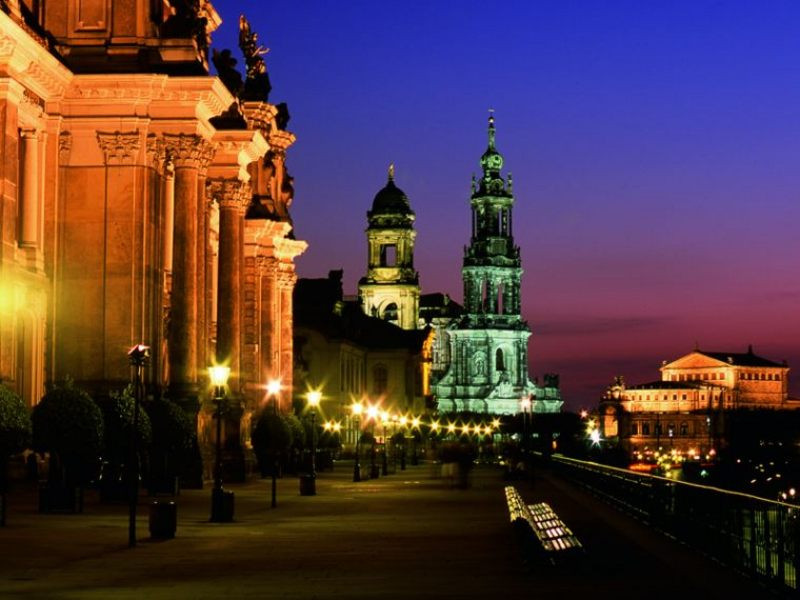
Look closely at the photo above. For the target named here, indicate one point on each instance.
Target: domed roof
(391, 200)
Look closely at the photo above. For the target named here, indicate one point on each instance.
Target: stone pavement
(406, 535)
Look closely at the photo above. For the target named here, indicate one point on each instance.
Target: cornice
(26, 60)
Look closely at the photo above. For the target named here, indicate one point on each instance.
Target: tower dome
(391, 200)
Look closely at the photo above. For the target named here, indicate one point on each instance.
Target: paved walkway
(405, 535)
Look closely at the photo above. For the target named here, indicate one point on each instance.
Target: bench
(540, 531)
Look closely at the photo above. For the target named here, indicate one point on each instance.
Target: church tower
(488, 346)
(391, 288)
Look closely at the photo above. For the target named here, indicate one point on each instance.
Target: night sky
(655, 148)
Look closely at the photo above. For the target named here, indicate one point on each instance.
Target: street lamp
(372, 415)
(138, 356)
(274, 391)
(218, 375)
(309, 484)
(356, 409)
(384, 424)
(414, 433)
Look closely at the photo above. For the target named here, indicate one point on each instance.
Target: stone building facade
(390, 289)
(685, 410)
(486, 358)
(141, 201)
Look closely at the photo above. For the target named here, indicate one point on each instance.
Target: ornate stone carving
(64, 147)
(156, 152)
(188, 150)
(256, 85)
(228, 191)
(119, 148)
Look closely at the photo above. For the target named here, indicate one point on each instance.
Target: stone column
(186, 152)
(286, 284)
(229, 295)
(29, 169)
(268, 274)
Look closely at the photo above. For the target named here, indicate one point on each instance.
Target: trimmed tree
(173, 437)
(68, 424)
(271, 437)
(118, 412)
(298, 441)
(15, 436)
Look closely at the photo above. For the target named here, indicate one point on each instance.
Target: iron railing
(755, 535)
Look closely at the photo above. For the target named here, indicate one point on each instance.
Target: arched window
(390, 313)
(380, 379)
(499, 363)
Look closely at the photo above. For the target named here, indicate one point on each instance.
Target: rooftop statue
(256, 86)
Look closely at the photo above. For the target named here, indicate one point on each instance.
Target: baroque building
(350, 356)
(390, 290)
(685, 410)
(142, 201)
(484, 353)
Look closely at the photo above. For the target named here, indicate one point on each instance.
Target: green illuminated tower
(488, 346)
(391, 288)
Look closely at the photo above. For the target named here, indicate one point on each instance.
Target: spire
(391, 171)
(491, 129)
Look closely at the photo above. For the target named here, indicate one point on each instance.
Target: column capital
(64, 147)
(29, 133)
(188, 151)
(229, 192)
(119, 147)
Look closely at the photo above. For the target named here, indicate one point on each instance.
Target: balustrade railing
(755, 535)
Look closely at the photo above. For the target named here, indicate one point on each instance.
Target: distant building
(390, 290)
(350, 356)
(685, 410)
(481, 362)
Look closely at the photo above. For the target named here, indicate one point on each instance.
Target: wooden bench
(539, 522)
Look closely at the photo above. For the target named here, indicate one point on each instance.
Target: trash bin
(163, 520)
(308, 484)
(221, 506)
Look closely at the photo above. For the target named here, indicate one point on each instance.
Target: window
(705, 376)
(684, 428)
(390, 313)
(499, 363)
(722, 375)
(673, 378)
(380, 379)
(634, 429)
(684, 397)
(658, 429)
(645, 428)
(388, 255)
(674, 396)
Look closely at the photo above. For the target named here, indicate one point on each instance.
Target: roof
(390, 200)
(743, 359)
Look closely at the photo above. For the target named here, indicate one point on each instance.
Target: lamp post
(384, 424)
(273, 391)
(414, 433)
(218, 375)
(138, 356)
(308, 485)
(357, 408)
(372, 414)
(525, 405)
(403, 421)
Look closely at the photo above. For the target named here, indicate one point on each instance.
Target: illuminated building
(685, 409)
(350, 356)
(143, 201)
(390, 290)
(485, 352)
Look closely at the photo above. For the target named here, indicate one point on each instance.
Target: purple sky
(655, 148)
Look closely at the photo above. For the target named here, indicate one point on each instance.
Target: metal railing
(758, 536)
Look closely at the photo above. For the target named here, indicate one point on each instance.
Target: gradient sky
(655, 148)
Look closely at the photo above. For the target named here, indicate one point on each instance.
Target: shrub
(15, 424)
(271, 437)
(298, 432)
(173, 437)
(118, 413)
(69, 425)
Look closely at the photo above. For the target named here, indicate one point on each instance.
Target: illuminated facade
(485, 362)
(390, 290)
(685, 409)
(143, 201)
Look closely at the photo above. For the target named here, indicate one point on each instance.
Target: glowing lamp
(274, 387)
(218, 375)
